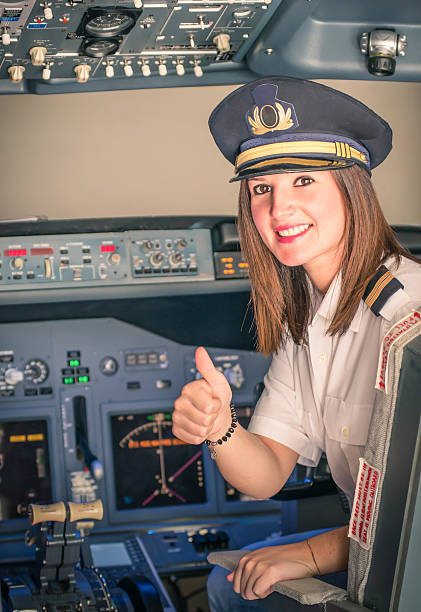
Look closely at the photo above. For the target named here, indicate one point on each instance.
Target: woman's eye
(261, 189)
(303, 180)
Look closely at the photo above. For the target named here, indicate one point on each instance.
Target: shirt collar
(325, 306)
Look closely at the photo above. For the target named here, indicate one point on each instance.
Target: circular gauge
(109, 24)
(36, 371)
(108, 366)
(99, 48)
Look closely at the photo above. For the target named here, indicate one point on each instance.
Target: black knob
(199, 542)
(223, 539)
(212, 541)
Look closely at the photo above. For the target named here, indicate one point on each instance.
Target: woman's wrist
(226, 421)
(229, 431)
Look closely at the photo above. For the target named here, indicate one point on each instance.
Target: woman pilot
(328, 279)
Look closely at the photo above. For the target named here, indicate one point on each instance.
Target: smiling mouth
(293, 231)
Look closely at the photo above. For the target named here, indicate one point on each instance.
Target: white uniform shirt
(320, 397)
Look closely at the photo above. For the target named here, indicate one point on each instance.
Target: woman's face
(301, 219)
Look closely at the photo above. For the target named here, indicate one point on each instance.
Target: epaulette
(380, 288)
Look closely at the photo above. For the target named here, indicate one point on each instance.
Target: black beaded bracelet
(228, 434)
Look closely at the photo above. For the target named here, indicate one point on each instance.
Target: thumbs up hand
(202, 411)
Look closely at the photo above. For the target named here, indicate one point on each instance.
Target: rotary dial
(36, 371)
(109, 24)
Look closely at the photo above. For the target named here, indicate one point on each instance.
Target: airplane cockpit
(120, 254)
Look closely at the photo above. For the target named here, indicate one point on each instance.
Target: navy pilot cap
(282, 124)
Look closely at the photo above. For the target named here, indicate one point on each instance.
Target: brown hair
(280, 294)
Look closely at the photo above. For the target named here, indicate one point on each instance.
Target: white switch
(5, 37)
(46, 73)
(82, 72)
(48, 13)
(13, 376)
(38, 55)
(179, 68)
(222, 42)
(16, 73)
(128, 70)
(109, 71)
(162, 69)
(146, 71)
(198, 72)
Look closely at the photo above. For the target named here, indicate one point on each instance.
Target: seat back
(388, 479)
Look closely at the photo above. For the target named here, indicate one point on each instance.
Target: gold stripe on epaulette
(378, 288)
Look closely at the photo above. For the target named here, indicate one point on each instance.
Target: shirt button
(322, 357)
(345, 432)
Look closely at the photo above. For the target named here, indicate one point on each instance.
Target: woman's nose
(283, 204)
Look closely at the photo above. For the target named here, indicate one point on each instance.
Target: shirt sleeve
(277, 415)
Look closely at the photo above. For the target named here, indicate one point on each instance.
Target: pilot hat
(282, 124)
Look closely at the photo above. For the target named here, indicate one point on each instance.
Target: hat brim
(293, 165)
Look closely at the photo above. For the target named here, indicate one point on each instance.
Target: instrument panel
(76, 41)
(75, 45)
(101, 259)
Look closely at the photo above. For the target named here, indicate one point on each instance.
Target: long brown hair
(281, 294)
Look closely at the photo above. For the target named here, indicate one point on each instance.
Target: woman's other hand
(259, 570)
(202, 411)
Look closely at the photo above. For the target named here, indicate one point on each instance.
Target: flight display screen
(152, 468)
(24, 467)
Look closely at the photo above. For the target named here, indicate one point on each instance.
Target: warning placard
(361, 523)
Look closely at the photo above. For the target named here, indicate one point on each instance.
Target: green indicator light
(69, 380)
(83, 379)
(168, 417)
(150, 417)
(74, 363)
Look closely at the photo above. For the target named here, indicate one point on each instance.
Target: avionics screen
(110, 554)
(24, 467)
(152, 468)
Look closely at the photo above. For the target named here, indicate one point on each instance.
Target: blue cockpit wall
(65, 46)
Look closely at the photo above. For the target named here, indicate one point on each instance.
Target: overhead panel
(71, 43)
(93, 45)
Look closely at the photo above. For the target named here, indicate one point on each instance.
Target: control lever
(65, 577)
(57, 540)
(81, 425)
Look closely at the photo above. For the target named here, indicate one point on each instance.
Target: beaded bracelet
(228, 434)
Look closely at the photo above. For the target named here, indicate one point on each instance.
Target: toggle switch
(128, 70)
(5, 37)
(46, 73)
(146, 71)
(198, 72)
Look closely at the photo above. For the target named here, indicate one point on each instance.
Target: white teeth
(294, 231)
